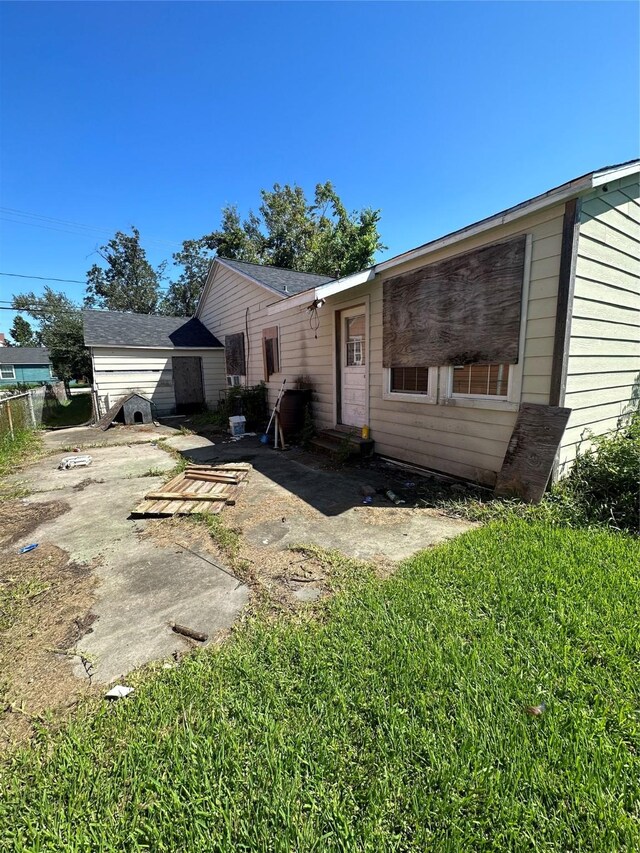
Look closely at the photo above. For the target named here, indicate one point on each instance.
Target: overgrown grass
(397, 721)
(226, 538)
(17, 449)
(76, 411)
(601, 490)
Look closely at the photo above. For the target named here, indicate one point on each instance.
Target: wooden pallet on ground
(198, 489)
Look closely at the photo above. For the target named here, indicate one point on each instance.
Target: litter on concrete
(81, 461)
(118, 692)
(199, 489)
(189, 632)
(28, 548)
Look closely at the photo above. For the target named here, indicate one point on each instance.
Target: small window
(355, 340)
(480, 380)
(270, 351)
(7, 371)
(410, 380)
(411, 384)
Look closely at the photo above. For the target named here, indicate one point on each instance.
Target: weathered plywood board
(186, 493)
(458, 311)
(532, 450)
(234, 354)
(187, 380)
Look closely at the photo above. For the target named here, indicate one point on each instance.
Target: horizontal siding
(603, 372)
(119, 371)
(465, 442)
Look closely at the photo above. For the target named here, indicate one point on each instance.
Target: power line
(49, 222)
(43, 277)
(67, 280)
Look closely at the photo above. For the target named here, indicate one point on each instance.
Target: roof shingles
(276, 278)
(114, 328)
(24, 355)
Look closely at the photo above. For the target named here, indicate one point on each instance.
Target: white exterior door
(353, 369)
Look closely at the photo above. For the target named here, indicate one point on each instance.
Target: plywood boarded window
(410, 380)
(270, 351)
(234, 355)
(480, 380)
(462, 310)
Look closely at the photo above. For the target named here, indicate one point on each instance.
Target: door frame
(202, 385)
(362, 302)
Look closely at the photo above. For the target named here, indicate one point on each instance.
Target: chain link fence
(25, 410)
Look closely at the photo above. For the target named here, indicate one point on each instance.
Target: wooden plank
(566, 286)
(183, 496)
(461, 310)
(532, 449)
(211, 478)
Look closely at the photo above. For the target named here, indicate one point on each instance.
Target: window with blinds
(409, 380)
(480, 380)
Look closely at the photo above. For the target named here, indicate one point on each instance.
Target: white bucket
(236, 424)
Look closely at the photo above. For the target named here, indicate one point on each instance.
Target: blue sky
(158, 114)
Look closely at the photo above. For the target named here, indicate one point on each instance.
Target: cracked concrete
(143, 586)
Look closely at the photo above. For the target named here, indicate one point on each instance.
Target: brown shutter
(270, 351)
(234, 354)
(458, 311)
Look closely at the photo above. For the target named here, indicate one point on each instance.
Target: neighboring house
(173, 361)
(22, 365)
(437, 348)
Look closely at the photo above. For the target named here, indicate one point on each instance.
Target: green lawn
(395, 719)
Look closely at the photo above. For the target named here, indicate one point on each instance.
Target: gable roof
(116, 328)
(286, 282)
(24, 355)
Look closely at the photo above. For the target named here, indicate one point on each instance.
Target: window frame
(512, 401)
(271, 337)
(430, 397)
(4, 367)
(457, 395)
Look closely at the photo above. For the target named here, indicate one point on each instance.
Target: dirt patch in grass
(18, 519)
(274, 576)
(45, 603)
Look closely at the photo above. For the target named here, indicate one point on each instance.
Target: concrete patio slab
(144, 585)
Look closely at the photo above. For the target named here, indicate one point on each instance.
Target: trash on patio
(118, 692)
(81, 461)
(198, 489)
(189, 632)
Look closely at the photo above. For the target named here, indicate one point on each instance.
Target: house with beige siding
(494, 346)
(175, 362)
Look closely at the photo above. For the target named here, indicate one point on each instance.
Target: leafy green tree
(60, 330)
(181, 299)
(320, 237)
(128, 282)
(23, 334)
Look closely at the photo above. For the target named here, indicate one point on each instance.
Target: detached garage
(173, 361)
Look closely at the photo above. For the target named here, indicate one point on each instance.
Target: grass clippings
(399, 720)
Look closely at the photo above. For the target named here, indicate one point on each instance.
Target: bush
(250, 401)
(604, 482)
(602, 489)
